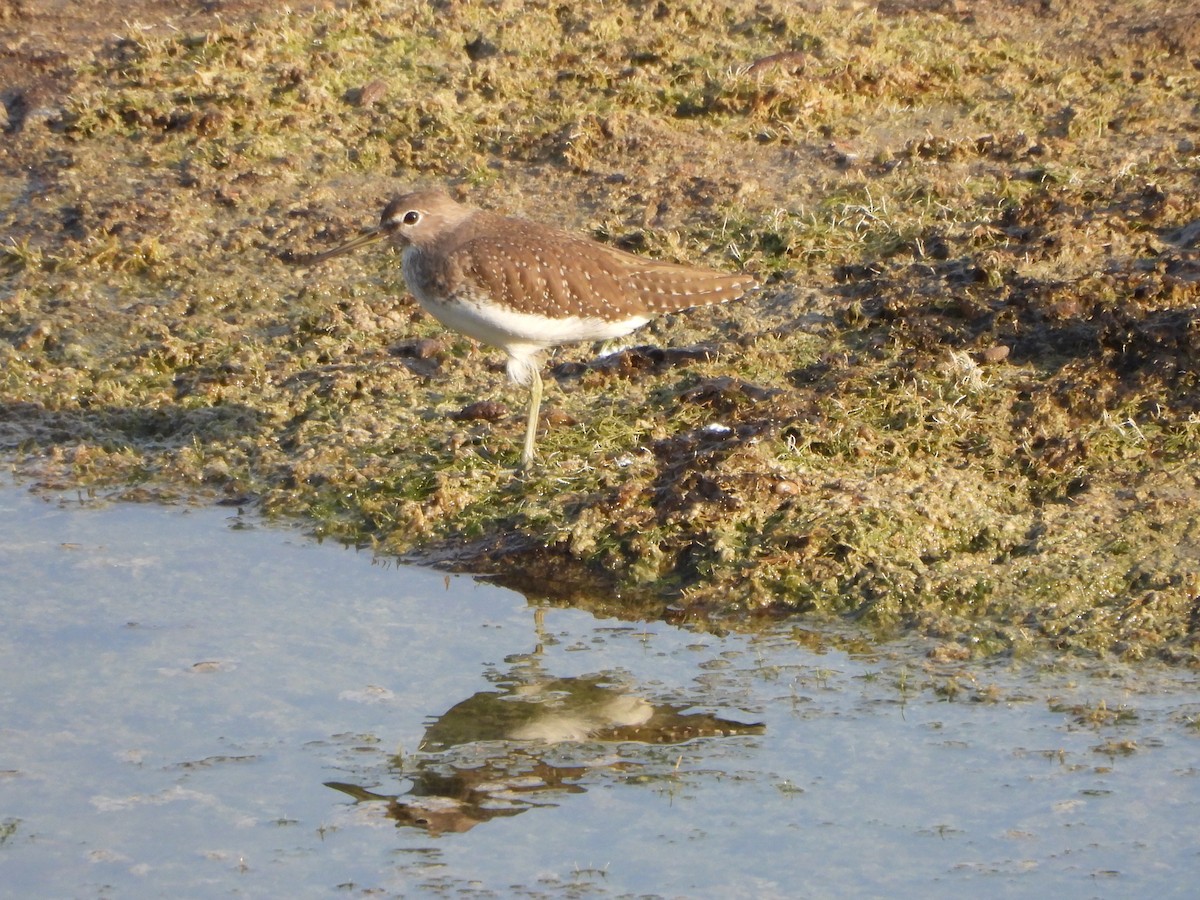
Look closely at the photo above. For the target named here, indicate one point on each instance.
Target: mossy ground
(965, 402)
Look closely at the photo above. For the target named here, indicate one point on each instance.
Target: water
(193, 704)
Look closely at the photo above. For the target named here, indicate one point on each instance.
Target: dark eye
(412, 217)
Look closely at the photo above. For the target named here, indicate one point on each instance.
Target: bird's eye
(412, 217)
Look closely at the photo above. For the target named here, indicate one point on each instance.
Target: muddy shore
(965, 402)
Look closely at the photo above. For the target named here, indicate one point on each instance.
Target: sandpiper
(526, 288)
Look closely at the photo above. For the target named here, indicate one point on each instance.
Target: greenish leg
(535, 403)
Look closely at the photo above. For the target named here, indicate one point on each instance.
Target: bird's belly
(500, 326)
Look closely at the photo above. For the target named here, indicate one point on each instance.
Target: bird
(525, 287)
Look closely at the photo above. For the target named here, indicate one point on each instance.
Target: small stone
(373, 92)
(419, 348)
(483, 411)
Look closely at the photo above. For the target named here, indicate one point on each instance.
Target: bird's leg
(524, 361)
(535, 403)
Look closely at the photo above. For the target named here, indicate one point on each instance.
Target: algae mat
(965, 402)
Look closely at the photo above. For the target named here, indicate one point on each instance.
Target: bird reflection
(502, 752)
(447, 798)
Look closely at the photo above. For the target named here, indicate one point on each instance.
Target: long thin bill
(369, 236)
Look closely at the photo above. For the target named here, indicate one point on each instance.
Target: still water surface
(195, 704)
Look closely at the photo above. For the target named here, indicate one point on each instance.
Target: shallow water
(194, 704)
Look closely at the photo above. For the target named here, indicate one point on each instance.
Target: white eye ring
(412, 217)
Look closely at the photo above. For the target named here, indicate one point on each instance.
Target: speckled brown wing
(534, 269)
(669, 287)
